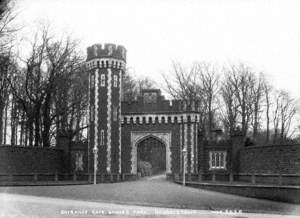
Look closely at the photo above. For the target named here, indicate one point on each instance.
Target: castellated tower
(106, 64)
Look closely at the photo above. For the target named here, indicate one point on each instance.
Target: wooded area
(235, 97)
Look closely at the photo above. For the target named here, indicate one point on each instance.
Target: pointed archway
(138, 136)
(153, 151)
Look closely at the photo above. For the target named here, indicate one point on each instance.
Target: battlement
(107, 50)
(151, 101)
(165, 106)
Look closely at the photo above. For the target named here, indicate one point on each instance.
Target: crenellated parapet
(160, 118)
(160, 106)
(106, 50)
(106, 56)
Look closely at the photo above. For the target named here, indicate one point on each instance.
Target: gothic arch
(138, 136)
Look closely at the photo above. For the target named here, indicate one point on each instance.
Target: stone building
(149, 129)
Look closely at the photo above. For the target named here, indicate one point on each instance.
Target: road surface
(143, 198)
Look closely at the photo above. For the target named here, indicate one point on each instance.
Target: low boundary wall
(17, 160)
(272, 186)
(35, 178)
(277, 193)
(255, 178)
(270, 159)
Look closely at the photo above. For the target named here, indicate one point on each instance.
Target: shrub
(145, 168)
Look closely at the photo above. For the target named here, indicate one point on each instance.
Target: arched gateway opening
(153, 151)
(158, 142)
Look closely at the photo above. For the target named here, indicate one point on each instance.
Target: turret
(106, 64)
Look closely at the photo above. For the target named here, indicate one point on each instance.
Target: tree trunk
(26, 135)
(30, 132)
(282, 132)
(268, 117)
(2, 107)
(255, 125)
(12, 122)
(22, 130)
(5, 122)
(275, 135)
(47, 121)
(210, 120)
(78, 118)
(37, 127)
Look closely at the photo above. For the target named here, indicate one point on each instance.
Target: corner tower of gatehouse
(105, 64)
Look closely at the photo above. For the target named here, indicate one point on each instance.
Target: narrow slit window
(115, 81)
(115, 114)
(92, 81)
(102, 137)
(92, 113)
(102, 83)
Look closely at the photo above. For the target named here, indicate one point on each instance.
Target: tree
(210, 87)
(267, 88)
(49, 62)
(6, 61)
(275, 114)
(7, 16)
(287, 111)
(5, 77)
(242, 79)
(131, 88)
(196, 83)
(71, 104)
(231, 105)
(257, 94)
(183, 85)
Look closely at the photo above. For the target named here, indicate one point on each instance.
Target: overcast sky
(263, 34)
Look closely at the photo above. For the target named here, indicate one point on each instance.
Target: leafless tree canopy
(242, 100)
(200, 82)
(131, 87)
(46, 93)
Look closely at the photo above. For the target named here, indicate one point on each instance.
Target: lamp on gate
(184, 152)
(95, 151)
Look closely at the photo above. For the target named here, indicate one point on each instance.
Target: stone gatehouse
(149, 129)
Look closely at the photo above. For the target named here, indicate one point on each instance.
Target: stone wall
(22, 160)
(283, 159)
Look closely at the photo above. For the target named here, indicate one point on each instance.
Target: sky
(263, 34)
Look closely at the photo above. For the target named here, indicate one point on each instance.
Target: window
(115, 81)
(115, 114)
(102, 83)
(217, 159)
(92, 113)
(92, 81)
(102, 137)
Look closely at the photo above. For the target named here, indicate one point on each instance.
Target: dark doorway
(153, 151)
